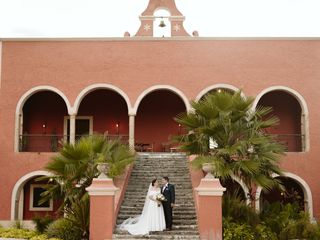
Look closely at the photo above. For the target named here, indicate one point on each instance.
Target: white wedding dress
(152, 217)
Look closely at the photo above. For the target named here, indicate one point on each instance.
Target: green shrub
(236, 209)
(264, 233)
(42, 222)
(63, 229)
(237, 231)
(17, 233)
(300, 229)
(43, 237)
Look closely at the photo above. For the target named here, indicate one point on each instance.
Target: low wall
(121, 182)
(196, 176)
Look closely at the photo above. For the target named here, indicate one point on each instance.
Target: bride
(152, 217)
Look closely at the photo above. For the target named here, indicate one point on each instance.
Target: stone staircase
(155, 165)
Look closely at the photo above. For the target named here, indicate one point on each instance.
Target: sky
(111, 18)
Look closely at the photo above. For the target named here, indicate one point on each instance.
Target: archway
(103, 111)
(21, 199)
(292, 193)
(234, 188)
(41, 122)
(161, 17)
(217, 88)
(307, 194)
(287, 108)
(155, 122)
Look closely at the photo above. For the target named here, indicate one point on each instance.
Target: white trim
(212, 87)
(161, 87)
(303, 184)
(18, 187)
(304, 111)
(21, 102)
(97, 86)
(102, 192)
(210, 191)
(31, 206)
(244, 188)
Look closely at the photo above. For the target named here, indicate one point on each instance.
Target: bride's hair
(153, 181)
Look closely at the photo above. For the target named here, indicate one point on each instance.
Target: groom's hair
(166, 178)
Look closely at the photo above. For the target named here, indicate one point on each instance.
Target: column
(72, 129)
(102, 211)
(209, 209)
(131, 131)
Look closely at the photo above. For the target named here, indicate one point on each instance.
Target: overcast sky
(111, 18)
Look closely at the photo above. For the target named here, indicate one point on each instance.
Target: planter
(208, 168)
(103, 169)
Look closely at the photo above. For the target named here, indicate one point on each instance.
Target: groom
(168, 192)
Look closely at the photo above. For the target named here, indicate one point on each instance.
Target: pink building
(132, 87)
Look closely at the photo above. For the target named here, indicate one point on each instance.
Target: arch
(161, 14)
(23, 100)
(303, 184)
(212, 87)
(37, 89)
(93, 87)
(244, 188)
(303, 105)
(18, 188)
(161, 87)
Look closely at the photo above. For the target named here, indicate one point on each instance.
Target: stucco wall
(133, 66)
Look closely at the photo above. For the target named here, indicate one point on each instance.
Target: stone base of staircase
(156, 165)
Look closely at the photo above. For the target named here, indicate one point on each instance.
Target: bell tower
(175, 18)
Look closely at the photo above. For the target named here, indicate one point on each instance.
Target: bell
(162, 24)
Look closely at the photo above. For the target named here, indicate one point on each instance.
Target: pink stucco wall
(135, 65)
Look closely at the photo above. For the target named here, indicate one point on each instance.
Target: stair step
(155, 165)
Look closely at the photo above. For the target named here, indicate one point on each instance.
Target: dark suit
(169, 194)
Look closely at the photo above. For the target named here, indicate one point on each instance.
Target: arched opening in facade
(103, 111)
(233, 188)
(216, 88)
(155, 124)
(290, 130)
(26, 197)
(292, 193)
(42, 122)
(161, 23)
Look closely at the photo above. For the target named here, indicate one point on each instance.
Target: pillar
(102, 211)
(131, 131)
(209, 209)
(72, 129)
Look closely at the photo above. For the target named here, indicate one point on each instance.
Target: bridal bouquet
(160, 198)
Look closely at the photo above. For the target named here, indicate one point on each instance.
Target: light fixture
(117, 126)
(219, 90)
(44, 128)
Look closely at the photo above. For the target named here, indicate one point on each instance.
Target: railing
(41, 142)
(53, 142)
(291, 142)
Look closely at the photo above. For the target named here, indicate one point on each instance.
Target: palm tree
(224, 131)
(73, 170)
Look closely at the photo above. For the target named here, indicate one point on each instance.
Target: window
(35, 196)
